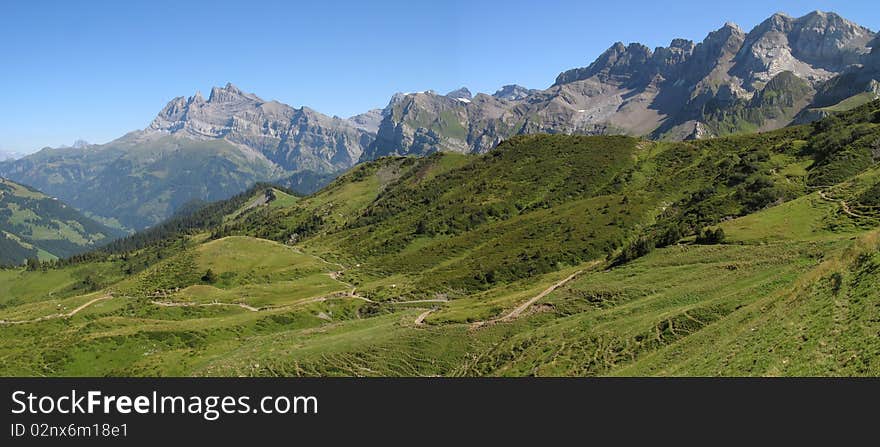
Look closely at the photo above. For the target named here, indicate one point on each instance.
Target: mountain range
(786, 70)
(730, 82)
(197, 149)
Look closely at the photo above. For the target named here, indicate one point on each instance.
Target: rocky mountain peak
(678, 51)
(171, 116)
(778, 22)
(682, 44)
(513, 92)
(714, 53)
(813, 47)
(826, 17)
(733, 27)
(821, 35)
(197, 98)
(212, 117)
(729, 36)
(619, 60)
(461, 93)
(9, 155)
(231, 93)
(80, 144)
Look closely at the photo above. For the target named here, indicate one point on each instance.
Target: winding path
(250, 308)
(65, 315)
(421, 318)
(182, 304)
(432, 300)
(843, 205)
(319, 299)
(516, 312)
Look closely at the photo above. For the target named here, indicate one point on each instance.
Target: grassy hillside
(552, 255)
(33, 225)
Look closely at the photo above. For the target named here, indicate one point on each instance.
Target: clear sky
(97, 69)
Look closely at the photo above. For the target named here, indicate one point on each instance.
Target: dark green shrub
(209, 277)
(711, 237)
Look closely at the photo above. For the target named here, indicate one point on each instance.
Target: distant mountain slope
(139, 180)
(33, 225)
(197, 149)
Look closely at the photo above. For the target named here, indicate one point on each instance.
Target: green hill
(33, 225)
(551, 255)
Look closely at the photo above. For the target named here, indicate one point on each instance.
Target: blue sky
(97, 69)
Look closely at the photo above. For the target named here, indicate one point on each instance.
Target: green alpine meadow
(551, 255)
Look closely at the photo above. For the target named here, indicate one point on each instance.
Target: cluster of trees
(526, 264)
(871, 197)
(668, 235)
(636, 249)
(209, 277)
(33, 264)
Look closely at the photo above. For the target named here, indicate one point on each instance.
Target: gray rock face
(632, 63)
(873, 58)
(857, 79)
(632, 89)
(367, 121)
(814, 47)
(295, 139)
(828, 40)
